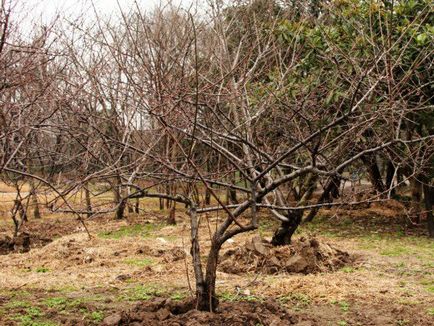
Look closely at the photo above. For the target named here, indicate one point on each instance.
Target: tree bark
(283, 235)
(428, 193)
(208, 301)
(88, 201)
(331, 191)
(390, 173)
(34, 197)
(416, 196)
(374, 174)
(137, 206)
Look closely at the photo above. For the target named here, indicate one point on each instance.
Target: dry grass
(128, 259)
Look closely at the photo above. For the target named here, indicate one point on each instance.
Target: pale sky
(26, 11)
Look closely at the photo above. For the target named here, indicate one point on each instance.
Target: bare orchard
(242, 163)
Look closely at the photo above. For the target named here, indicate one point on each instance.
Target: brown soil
(166, 312)
(302, 256)
(21, 243)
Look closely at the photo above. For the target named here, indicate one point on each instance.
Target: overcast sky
(47, 10)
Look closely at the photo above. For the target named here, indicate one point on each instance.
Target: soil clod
(166, 312)
(302, 256)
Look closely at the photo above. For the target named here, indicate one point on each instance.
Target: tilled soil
(21, 243)
(166, 312)
(302, 256)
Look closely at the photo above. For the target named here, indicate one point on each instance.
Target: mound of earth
(166, 312)
(21, 243)
(302, 256)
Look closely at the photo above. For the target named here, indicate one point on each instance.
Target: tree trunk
(207, 299)
(416, 196)
(283, 235)
(428, 193)
(171, 218)
(331, 191)
(207, 197)
(120, 210)
(88, 201)
(137, 206)
(374, 174)
(390, 173)
(118, 200)
(34, 197)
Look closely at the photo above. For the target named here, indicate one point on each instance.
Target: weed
(345, 306)
(232, 297)
(429, 285)
(17, 304)
(28, 318)
(395, 251)
(139, 262)
(143, 230)
(55, 302)
(97, 316)
(177, 296)
(42, 270)
(228, 296)
(430, 311)
(342, 323)
(299, 300)
(141, 292)
(348, 269)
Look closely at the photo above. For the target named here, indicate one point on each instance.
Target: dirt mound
(166, 312)
(302, 256)
(169, 255)
(21, 243)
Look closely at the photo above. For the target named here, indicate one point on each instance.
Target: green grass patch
(139, 262)
(395, 251)
(55, 302)
(343, 305)
(228, 296)
(297, 300)
(97, 316)
(136, 230)
(17, 304)
(30, 318)
(178, 296)
(428, 284)
(142, 292)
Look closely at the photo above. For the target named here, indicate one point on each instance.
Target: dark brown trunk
(416, 196)
(283, 235)
(207, 197)
(428, 193)
(373, 172)
(137, 206)
(207, 299)
(120, 210)
(88, 201)
(390, 173)
(330, 192)
(171, 218)
(34, 197)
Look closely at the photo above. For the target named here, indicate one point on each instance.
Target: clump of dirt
(167, 312)
(169, 255)
(21, 243)
(302, 256)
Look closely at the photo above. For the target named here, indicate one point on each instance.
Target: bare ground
(76, 280)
